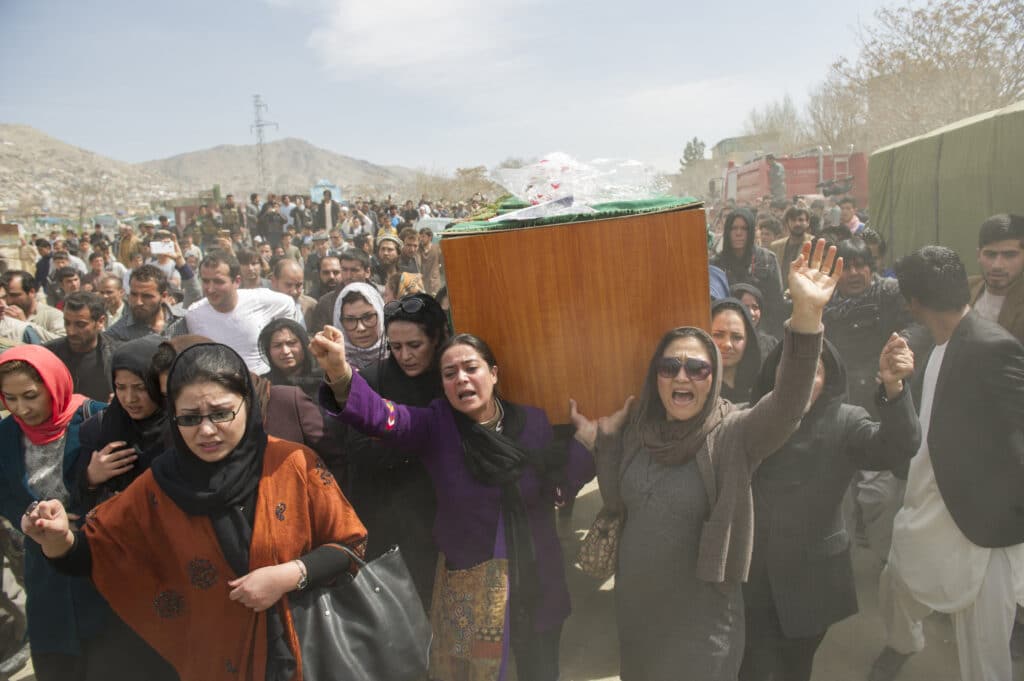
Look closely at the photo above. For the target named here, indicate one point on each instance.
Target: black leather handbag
(370, 627)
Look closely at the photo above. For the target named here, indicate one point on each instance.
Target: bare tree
(835, 115)
(780, 120)
(923, 67)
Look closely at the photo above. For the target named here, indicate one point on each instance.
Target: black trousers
(537, 656)
(771, 656)
(116, 654)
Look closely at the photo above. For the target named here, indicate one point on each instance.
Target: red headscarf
(57, 379)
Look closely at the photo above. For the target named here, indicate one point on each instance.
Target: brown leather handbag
(599, 550)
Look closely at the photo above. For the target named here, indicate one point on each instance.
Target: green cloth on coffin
(604, 211)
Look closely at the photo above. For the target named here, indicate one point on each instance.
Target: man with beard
(353, 266)
(84, 349)
(388, 249)
(998, 293)
(409, 260)
(798, 223)
(148, 312)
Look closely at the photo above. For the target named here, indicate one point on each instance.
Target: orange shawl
(163, 571)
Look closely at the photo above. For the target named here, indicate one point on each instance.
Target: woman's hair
(215, 364)
(430, 318)
(17, 366)
(285, 324)
(472, 341)
(650, 408)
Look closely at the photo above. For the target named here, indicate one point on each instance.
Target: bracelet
(303, 575)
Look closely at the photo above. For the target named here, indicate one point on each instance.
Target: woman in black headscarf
(753, 300)
(736, 338)
(745, 262)
(200, 552)
(121, 442)
(389, 487)
(283, 344)
(801, 577)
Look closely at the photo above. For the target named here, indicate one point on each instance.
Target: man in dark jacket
(328, 214)
(958, 540)
(84, 350)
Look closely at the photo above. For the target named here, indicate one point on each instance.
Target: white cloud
(414, 41)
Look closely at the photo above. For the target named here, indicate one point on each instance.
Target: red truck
(813, 173)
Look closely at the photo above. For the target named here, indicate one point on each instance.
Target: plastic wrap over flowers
(559, 184)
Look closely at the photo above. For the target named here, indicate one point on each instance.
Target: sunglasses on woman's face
(193, 420)
(696, 369)
(406, 305)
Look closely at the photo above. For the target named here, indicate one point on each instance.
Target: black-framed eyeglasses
(193, 420)
(368, 320)
(696, 369)
(410, 305)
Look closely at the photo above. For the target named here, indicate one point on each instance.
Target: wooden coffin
(576, 309)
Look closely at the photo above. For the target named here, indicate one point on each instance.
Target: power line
(258, 108)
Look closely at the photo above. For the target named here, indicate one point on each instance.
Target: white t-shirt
(988, 306)
(942, 568)
(240, 328)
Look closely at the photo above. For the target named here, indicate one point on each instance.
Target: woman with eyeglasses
(283, 343)
(678, 465)
(390, 488)
(500, 588)
(359, 313)
(199, 553)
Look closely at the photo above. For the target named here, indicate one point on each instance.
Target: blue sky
(432, 84)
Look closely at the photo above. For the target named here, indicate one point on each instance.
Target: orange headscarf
(57, 379)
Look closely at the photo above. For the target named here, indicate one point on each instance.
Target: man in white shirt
(235, 316)
(958, 540)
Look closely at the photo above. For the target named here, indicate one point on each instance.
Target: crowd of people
(202, 414)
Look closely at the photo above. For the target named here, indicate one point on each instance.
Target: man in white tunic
(235, 316)
(958, 540)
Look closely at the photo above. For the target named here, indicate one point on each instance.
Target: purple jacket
(466, 525)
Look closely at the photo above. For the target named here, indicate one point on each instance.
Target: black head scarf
(148, 435)
(737, 266)
(197, 486)
(834, 392)
(750, 364)
(495, 457)
(307, 378)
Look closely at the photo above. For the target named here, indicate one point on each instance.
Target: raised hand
(587, 429)
(328, 348)
(812, 280)
(895, 363)
(47, 523)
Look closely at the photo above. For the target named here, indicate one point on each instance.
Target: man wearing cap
(311, 265)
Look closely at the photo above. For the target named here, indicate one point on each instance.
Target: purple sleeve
(370, 414)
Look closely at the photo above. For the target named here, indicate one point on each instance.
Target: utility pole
(258, 124)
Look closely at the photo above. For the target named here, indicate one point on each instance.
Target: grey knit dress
(672, 626)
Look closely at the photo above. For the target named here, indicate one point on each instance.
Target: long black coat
(801, 562)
